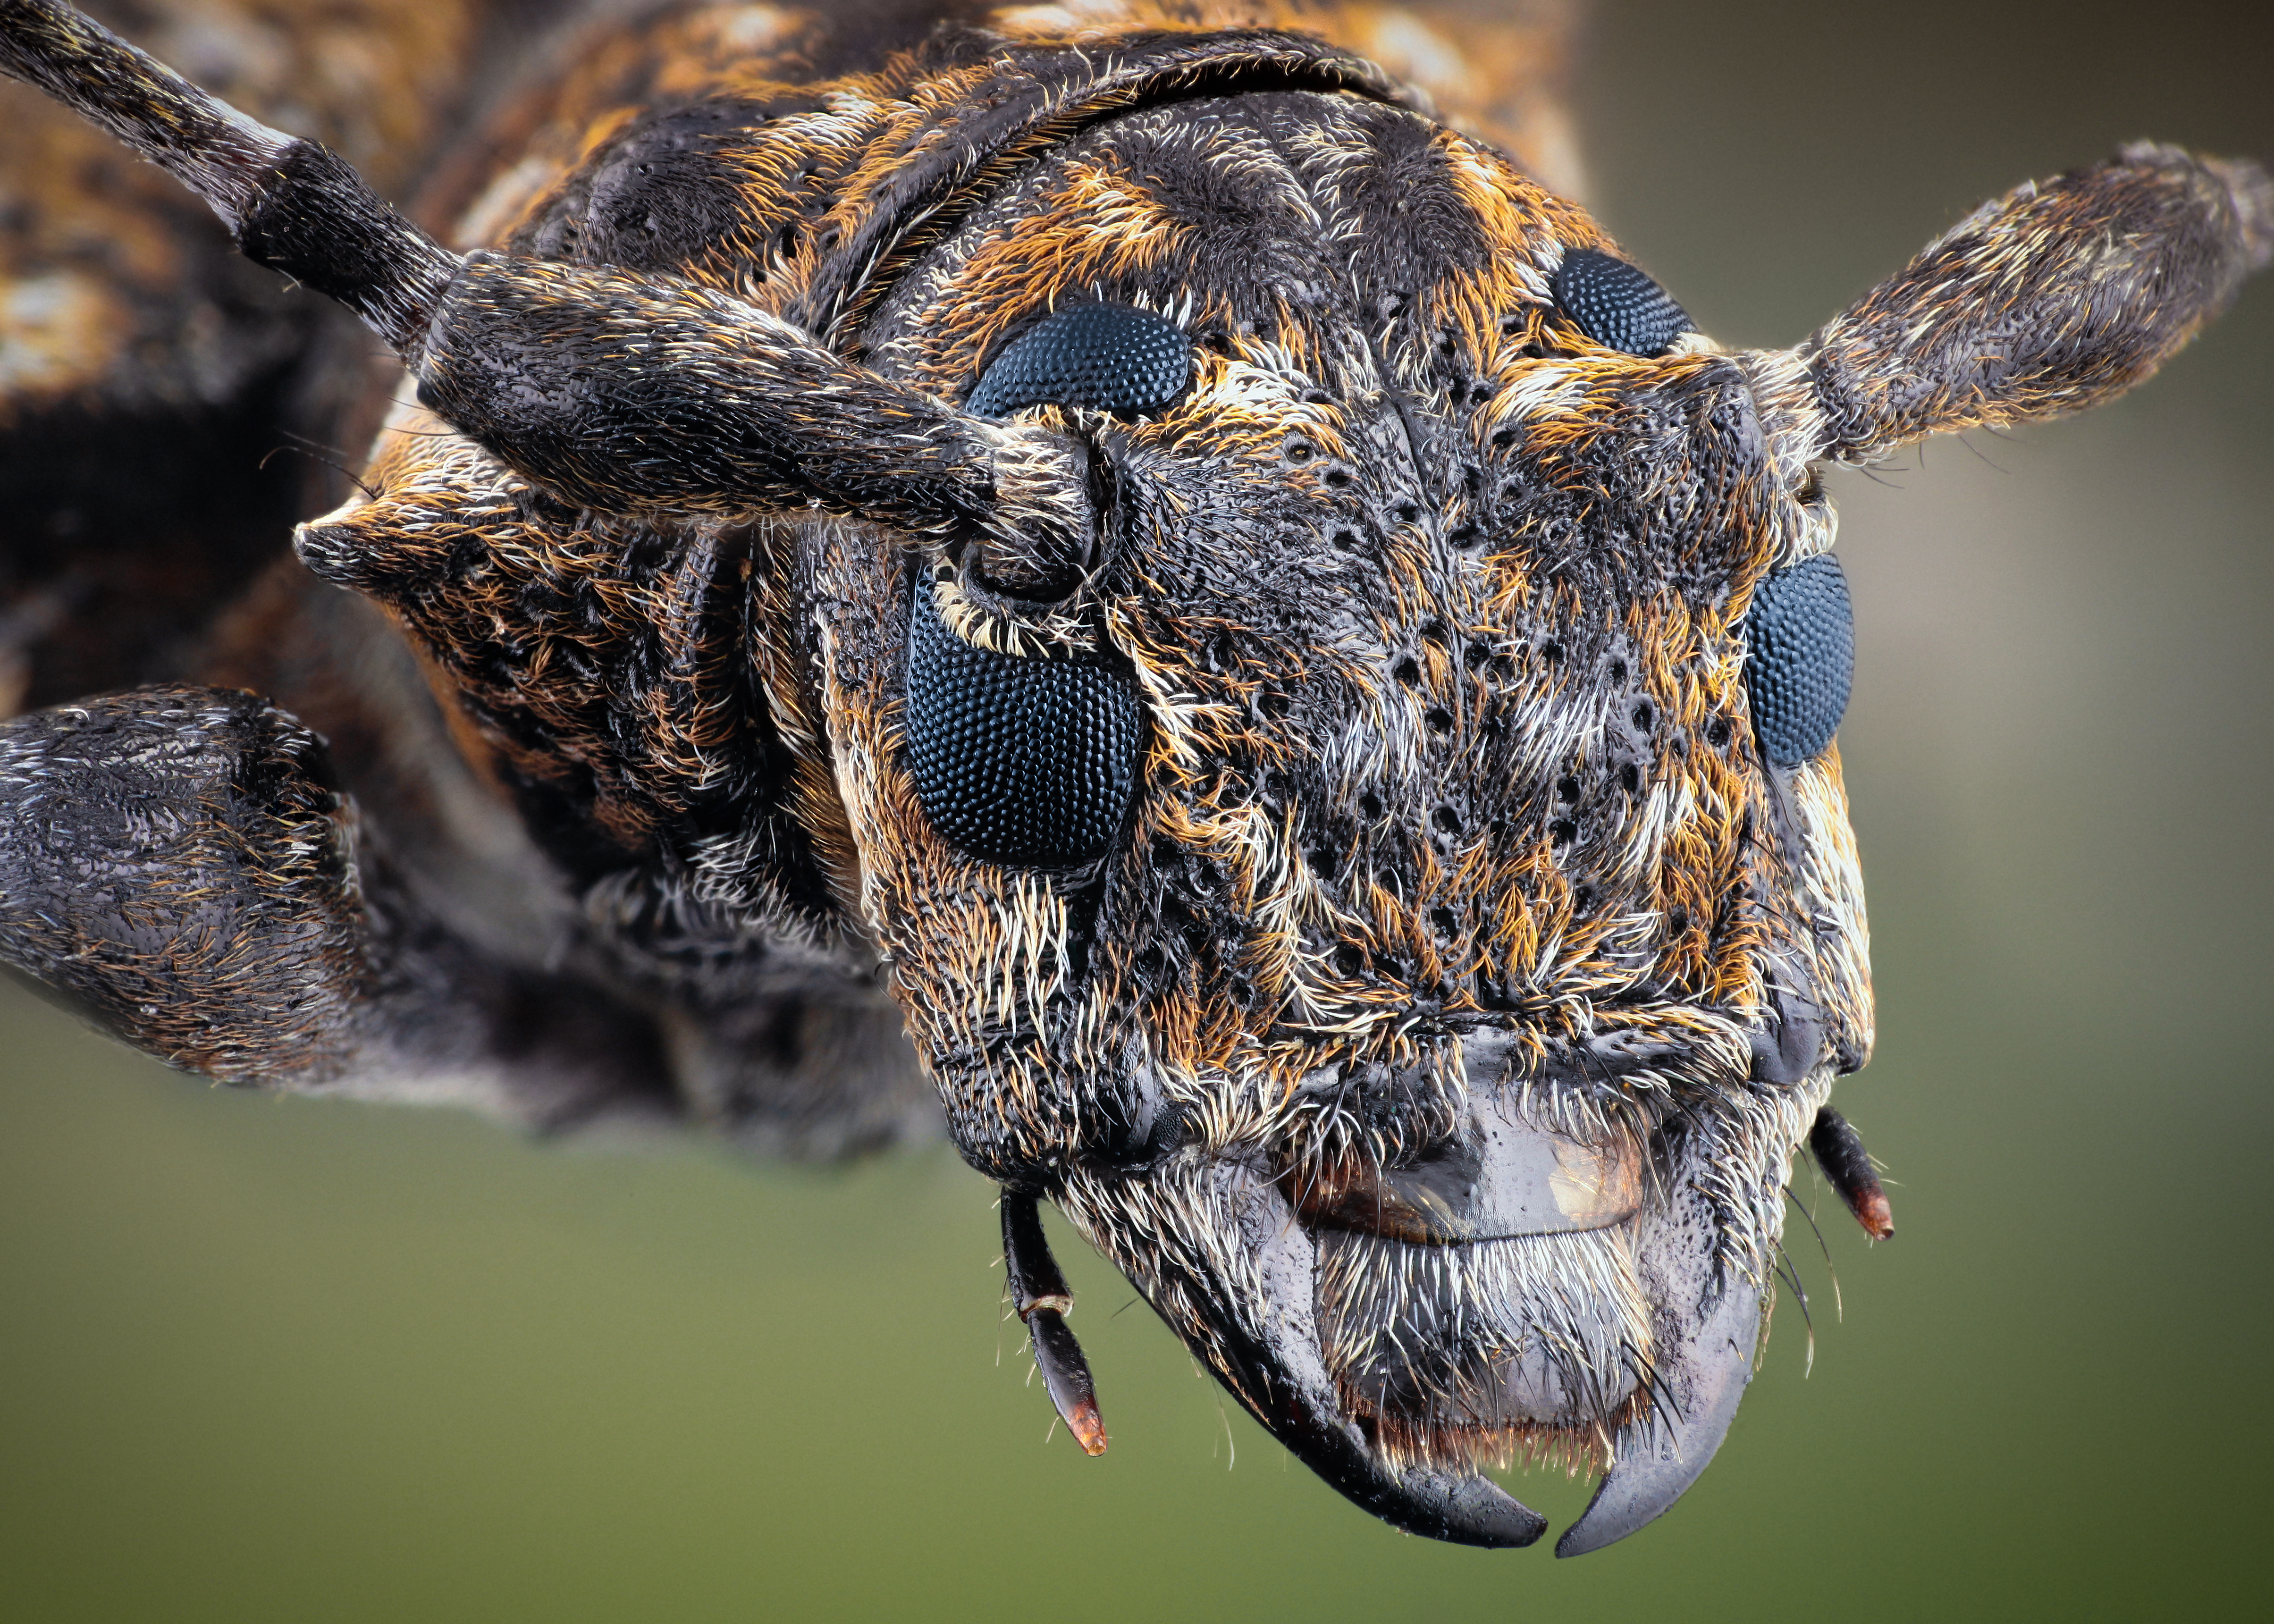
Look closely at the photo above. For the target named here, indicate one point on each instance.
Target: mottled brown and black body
(1429, 1043)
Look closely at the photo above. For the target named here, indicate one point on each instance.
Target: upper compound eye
(1614, 304)
(1801, 660)
(1106, 357)
(1028, 761)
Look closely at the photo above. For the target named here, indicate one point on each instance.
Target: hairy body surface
(1447, 925)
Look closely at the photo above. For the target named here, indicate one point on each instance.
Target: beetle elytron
(1108, 541)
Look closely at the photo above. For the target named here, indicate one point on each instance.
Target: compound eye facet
(1615, 304)
(1800, 658)
(1105, 358)
(1028, 761)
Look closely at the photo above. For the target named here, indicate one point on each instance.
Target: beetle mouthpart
(1839, 1152)
(1500, 1178)
(1241, 1277)
(1279, 1372)
(1698, 1378)
(1040, 1294)
(1233, 1272)
(1065, 1373)
(1477, 1297)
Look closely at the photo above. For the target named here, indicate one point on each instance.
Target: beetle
(1306, 678)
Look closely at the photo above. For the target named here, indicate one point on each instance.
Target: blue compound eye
(1106, 357)
(1615, 304)
(1023, 761)
(1801, 658)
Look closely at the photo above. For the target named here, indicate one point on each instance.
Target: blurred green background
(266, 1360)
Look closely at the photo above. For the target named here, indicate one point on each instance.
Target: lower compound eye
(1106, 357)
(1024, 761)
(1801, 658)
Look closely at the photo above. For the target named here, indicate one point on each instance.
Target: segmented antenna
(203, 142)
(613, 391)
(290, 204)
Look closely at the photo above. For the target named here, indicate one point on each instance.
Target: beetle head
(1426, 1027)
(1425, 1012)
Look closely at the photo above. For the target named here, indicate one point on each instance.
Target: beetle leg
(181, 865)
(1040, 1294)
(1840, 1154)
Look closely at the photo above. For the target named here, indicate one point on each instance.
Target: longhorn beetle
(1104, 566)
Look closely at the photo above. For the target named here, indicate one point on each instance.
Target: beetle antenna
(615, 391)
(2024, 309)
(290, 204)
(203, 142)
